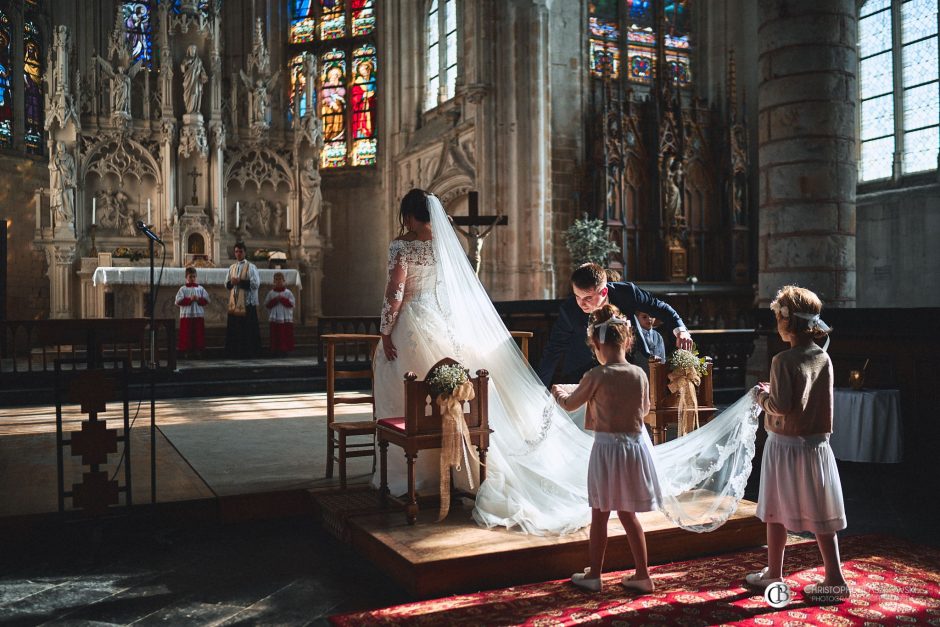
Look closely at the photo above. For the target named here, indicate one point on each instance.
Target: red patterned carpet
(893, 583)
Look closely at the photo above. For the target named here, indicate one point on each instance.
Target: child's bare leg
(598, 544)
(776, 545)
(637, 540)
(829, 548)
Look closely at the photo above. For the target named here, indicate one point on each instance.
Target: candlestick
(288, 221)
(38, 215)
(94, 204)
(237, 210)
(51, 220)
(148, 212)
(94, 248)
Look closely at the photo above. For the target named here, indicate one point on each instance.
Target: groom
(591, 292)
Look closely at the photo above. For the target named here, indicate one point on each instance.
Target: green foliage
(587, 241)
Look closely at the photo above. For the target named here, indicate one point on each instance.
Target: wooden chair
(420, 429)
(523, 337)
(338, 432)
(663, 402)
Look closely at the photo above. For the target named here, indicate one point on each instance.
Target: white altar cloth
(866, 426)
(177, 276)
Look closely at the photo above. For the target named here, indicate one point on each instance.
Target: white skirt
(799, 484)
(621, 475)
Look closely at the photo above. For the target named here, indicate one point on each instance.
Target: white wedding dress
(536, 472)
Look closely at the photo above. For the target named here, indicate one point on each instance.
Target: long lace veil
(538, 457)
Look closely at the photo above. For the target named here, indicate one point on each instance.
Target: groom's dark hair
(415, 203)
(589, 276)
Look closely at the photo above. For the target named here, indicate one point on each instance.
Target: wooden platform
(433, 559)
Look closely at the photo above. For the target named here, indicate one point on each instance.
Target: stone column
(806, 147)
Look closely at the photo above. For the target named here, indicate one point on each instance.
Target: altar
(122, 291)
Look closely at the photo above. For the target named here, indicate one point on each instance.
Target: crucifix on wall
(195, 174)
(478, 227)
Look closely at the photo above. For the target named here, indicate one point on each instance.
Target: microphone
(143, 228)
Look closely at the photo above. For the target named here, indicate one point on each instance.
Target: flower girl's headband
(815, 324)
(603, 326)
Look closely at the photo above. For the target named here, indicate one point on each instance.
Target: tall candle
(237, 209)
(288, 218)
(38, 214)
(94, 203)
(148, 212)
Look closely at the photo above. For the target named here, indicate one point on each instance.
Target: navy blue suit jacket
(567, 340)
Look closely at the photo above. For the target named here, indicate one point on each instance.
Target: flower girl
(800, 488)
(621, 475)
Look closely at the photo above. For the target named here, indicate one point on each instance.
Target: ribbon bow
(683, 383)
(455, 440)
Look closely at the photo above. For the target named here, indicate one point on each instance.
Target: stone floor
(184, 567)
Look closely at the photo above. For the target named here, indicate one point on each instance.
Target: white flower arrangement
(445, 379)
(688, 360)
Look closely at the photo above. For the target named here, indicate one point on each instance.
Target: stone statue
(672, 197)
(112, 213)
(120, 76)
(194, 77)
(260, 105)
(313, 198)
(475, 239)
(62, 185)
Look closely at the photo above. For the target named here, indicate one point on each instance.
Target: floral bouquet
(447, 378)
(687, 370)
(688, 360)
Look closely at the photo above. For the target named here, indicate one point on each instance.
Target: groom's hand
(684, 340)
(390, 351)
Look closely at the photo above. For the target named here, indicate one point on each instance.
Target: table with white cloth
(866, 426)
(129, 286)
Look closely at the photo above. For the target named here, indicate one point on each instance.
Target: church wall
(898, 258)
(569, 81)
(354, 271)
(27, 286)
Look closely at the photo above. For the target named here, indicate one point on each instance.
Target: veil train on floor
(538, 458)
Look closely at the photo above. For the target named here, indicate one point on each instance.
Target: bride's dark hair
(415, 203)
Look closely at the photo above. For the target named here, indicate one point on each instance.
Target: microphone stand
(153, 374)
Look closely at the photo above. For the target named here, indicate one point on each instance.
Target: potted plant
(587, 241)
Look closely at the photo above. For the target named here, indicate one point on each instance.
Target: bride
(536, 477)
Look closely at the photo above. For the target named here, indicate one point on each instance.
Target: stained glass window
(32, 92)
(138, 30)
(900, 111)
(362, 101)
(333, 20)
(629, 26)
(441, 59)
(303, 26)
(333, 108)
(202, 6)
(6, 87)
(338, 35)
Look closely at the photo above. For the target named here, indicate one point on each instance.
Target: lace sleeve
(395, 289)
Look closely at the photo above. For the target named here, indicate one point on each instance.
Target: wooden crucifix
(474, 223)
(195, 174)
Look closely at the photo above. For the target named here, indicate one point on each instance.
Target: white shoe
(583, 580)
(640, 585)
(760, 579)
